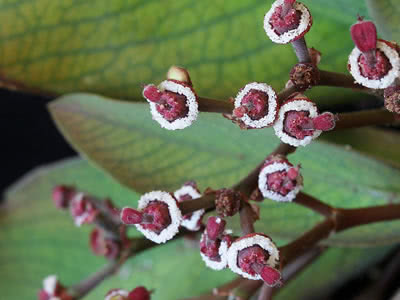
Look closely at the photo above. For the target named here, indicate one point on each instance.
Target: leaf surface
(114, 47)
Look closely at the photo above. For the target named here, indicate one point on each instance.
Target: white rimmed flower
(193, 221)
(285, 186)
(223, 256)
(251, 240)
(169, 216)
(299, 121)
(393, 57)
(179, 88)
(271, 106)
(290, 35)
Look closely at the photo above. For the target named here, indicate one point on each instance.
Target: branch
(365, 118)
(310, 238)
(216, 106)
(314, 204)
(246, 219)
(347, 218)
(341, 220)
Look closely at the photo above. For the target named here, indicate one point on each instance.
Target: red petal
(364, 35)
(131, 216)
(324, 122)
(151, 93)
(215, 227)
(270, 276)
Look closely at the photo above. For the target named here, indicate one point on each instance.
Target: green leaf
(385, 14)
(333, 268)
(121, 138)
(37, 240)
(113, 47)
(378, 142)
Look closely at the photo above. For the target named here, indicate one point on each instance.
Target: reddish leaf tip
(131, 216)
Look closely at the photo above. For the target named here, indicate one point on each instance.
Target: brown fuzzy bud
(227, 202)
(392, 99)
(304, 75)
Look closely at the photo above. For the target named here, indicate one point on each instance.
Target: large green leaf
(37, 240)
(332, 268)
(381, 143)
(385, 13)
(121, 138)
(113, 47)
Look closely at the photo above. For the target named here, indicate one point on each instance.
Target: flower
(373, 63)
(62, 195)
(82, 210)
(299, 121)
(287, 21)
(256, 105)
(158, 217)
(279, 180)
(189, 192)
(214, 244)
(255, 256)
(173, 103)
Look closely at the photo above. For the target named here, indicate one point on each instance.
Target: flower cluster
(296, 121)
(81, 208)
(84, 209)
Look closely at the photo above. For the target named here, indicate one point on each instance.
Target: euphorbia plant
(237, 234)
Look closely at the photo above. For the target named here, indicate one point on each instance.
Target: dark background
(29, 136)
